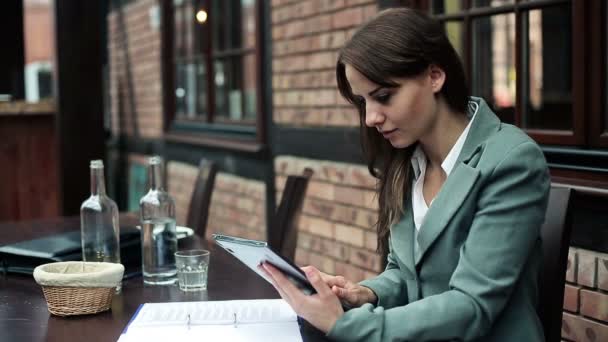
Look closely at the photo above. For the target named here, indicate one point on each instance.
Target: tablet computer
(253, 253)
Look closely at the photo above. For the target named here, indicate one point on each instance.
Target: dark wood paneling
(79, 55)
(28, 167)
(337, 144)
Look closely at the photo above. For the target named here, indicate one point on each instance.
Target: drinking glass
(192, 266)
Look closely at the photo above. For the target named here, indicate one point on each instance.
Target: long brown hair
(397, 43)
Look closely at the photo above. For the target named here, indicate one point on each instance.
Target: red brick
(319, 23)
(350, 272)
(349, 235)
(347, 18)
(602, 273)
(302, 257)
(365, 259)
(306, 8)
(571, 298)
(576, 328)
(594, 305)
(318, 208)
(333, 172)
(371, 241)
(587, 268)
(367, 219)
(359, 176)
(321, 60)
(328, 5)
(572, 266)
(323, 263)
(356, 2)
(278, 32)
(334, 249)
(320, 227)
(345, 214)
(349, 195)
(320, 190)
(369, 12)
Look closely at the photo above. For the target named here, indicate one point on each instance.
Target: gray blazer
(474, 277)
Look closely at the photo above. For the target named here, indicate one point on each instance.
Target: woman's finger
(274, 284)
(336, 281)
(314, 277)
(282, 284)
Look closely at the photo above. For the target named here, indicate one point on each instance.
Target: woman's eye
(360, 100)
(383, 98)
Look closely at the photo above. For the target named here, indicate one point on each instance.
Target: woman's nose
(373, 117)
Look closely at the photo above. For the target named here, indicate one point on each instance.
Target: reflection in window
(446, 6)
(548, 81)
(605, 21)
(31, 78)
(454, 31)
(493, 69)
(491, 3)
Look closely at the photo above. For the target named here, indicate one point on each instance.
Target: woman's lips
(387, 134)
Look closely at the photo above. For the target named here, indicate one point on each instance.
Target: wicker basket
(77, 287)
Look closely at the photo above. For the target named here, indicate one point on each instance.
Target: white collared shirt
(419, 162)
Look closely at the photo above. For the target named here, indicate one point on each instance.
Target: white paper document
(233, 320)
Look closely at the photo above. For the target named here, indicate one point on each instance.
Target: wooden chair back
(284, 230)
(555, 233)
(198, 212)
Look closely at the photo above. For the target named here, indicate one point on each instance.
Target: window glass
(547, 67)
(493, 68)
(214, 44)
(446, 6)
(27, 70)
(455, 33)
(605, 21)
(491, 3)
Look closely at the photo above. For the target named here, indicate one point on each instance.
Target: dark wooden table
(24, 315)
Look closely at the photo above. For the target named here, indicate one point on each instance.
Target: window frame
(598, 55)
(247, 137)
(574, 137)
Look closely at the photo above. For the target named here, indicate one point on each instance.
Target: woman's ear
(437, 76)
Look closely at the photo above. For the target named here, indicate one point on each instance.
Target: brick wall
(238, 207)
(335, 228)
(181, 178)
(135, 70)
(586, 297)
(306, 36)
(237, 204)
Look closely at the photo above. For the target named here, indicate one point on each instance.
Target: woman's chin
(400, 143)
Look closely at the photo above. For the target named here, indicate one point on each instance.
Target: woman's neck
(442, 136)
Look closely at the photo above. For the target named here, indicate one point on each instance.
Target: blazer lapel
(402, 236)
(461, 180)
(445, 205)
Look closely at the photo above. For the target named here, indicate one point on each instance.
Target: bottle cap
(155, 160)
(97, 164)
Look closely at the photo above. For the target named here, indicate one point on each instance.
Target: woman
(462, 197)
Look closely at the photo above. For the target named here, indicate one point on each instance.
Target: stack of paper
(234, 320)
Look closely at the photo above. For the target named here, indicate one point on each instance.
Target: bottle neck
(156, 177)
(98, 185)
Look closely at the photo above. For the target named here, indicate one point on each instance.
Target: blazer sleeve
(389, 286)
(511, 209)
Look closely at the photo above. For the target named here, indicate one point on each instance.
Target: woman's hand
(351, 294)
(322, 309)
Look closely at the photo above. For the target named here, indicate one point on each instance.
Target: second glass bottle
(158, 235)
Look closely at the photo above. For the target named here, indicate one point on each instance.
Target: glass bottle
(158, 235)
(100, 234)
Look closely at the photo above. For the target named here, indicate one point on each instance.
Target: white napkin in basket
(79, 274)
